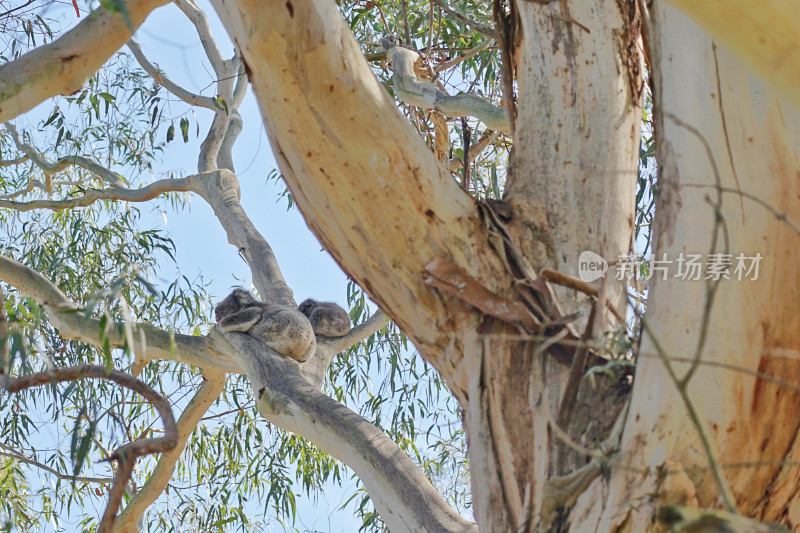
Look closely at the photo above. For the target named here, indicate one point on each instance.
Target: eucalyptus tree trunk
(727, 153)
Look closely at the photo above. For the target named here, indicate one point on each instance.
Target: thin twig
(477, 26)
(127, 454)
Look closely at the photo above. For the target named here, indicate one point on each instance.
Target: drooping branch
(150, 342)
(205, 396)
(402, 494)
(411, 90)
(161, 79)
(63, 66)
(17, 455)
(50, 168)
(127, 454)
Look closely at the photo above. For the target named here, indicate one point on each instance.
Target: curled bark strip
(127, 454)
(454, 280)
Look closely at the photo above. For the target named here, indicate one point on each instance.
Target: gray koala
(327, 318)
(282, 328)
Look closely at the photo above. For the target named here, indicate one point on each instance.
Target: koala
(327, 318)
(282, 328)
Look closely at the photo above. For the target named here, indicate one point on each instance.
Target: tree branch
(151, 342)
(114, 193)
(414, 91)
(221, 190)
(357, 334)
(463, 57)
(206, 395)
(63, 66)
(200, 22)
(400, 491)
(127, 454)
(13, 162)
(50, 168)
(17, 455)
(160, 78)
(456, 164)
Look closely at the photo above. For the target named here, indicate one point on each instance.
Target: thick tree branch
(427, 95)
(127, 454)
(155, 73)
(205, 396)
(765, 35)
(221, 190)
(400, 491)
(151, 342)
(63, 66)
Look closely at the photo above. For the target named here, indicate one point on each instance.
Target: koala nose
(216, 318)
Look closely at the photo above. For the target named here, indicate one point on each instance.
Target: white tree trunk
(722, 125)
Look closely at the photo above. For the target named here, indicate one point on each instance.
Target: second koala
(327, 318)
(282, 328)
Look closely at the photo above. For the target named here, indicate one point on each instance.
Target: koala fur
(327, 318)
(282, 328)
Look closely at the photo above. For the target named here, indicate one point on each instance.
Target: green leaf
(185, 129)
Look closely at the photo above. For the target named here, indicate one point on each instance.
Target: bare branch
(33, 184)
(483, 29)
(13, 162)
(50, 168)
(63, 66)
(8, 451)
(200, 22)
(456, 164)
(151, 342)
(127, 454)
(115, 193)
(160, 78)
(466, 55)
(360, 332)
(206, 395)
(413, 91)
